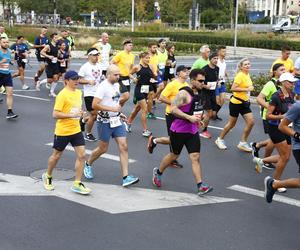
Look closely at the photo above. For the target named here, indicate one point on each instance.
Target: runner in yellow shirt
(285, 60)
(68, 112)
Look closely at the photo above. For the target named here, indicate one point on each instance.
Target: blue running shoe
(88, 171)
(130, 180)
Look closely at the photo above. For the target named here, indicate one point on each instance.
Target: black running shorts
(190, 141)
(60, 142)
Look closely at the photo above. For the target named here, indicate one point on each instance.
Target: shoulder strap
(188, 89)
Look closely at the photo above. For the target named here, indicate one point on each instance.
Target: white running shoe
(25, 87)
(244, 146)
(220, 143)
(258, 164)
(146, 133)
(38, 86)
(281, 190)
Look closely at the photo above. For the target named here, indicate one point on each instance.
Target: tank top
(53, 52)
(184, 126)
(144, 75)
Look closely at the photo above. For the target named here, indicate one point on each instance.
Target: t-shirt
(154, 62)
(211, 77)
(19, 49)
(297, 64)
(68, 102)
(4, 67)
(3, 35)
(293, 115)
(222, 69)
(242, 80)
(104, 50)
(200, 63)
(268, 90)
(171, 90)
(90, 71)
(124, 61)
(288, 64)
(110, 96)
(39, 40)
(282, 104)
(162, 58)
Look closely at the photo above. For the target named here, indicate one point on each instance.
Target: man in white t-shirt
(223, 76)
(90, 74)
(110, 124)
(105, 51)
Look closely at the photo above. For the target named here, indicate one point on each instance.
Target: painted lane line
(163, 119)
(259, 193)
(89, 152)
(113, 199)
(32, 97)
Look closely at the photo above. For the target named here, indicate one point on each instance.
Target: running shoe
(254, 149)
(130, 180)
(156, 178)
(269, 190)
(146, 133)
(88, 171)
(80, 188)
(151, 116)
(38, 86)
(36, 79)
(258, 164)
(176, 164)
(1, 100)
(25, 87)
(2, 90)
(128, 127)
(11, 115)
(90, 137)
(151, 145)
(205, 134)
(47, 181)
(269, 166)
(220, 143)
(244, 146)
(281, 190)
(204, 189)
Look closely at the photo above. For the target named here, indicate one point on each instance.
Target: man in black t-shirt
(208, 92)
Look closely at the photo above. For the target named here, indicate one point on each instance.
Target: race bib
(172, 71)
(161, 65)
(126, 82)
(198, 113)
(54, 60)
(145, 89)
(74, 111)
(115, 122)
(212, 85)
(63, 64)
(25, 60)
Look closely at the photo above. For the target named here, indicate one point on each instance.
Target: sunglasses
(201, 81)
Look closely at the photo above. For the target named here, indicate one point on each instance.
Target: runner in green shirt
(203, 60)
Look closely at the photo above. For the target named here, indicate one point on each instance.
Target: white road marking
(32, 97)
(88, 152)
(163, 119)
(112, 199)
(259, 193)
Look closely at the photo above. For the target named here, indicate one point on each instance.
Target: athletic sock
(205, 129)
(124, 177)
(154, 141)
(76, 183)
(43, 81)
(9, 110)
(199, 184)
(158, 172)
(53, 86)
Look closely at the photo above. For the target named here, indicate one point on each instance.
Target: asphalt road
(233, 216)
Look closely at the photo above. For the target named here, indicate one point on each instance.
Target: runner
(110, 124)
(188, 111)
(125, 60)
(239, 104)
(5, 76)
(292, 116)
(203, 60)
(263, 100)
(168, 94)
(64, 38)
(50, 52)
(281, 101)
(208, 91)
(171, 63)
(90, 74)
(2, 32)
(144, 88)
(39, 43)
(67, 110)
(223, 76)
(105, 51)
(162, 55)
(21, 51)
(285, 60)
(71, 40)
(153, 63)
(62, 58)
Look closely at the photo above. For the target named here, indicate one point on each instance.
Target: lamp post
(236, 4)
(132, 15)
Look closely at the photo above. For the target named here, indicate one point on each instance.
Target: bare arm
(98, 106)
(270, 116)
(284, 127)
(164, 100)
(60, 115)
(262, 101)
(45, 50)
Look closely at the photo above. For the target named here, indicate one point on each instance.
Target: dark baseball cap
(71, 74)
(181, 68)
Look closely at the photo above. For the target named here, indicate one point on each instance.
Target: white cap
(287, 77)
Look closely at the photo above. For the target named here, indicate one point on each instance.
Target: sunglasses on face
(201, 81)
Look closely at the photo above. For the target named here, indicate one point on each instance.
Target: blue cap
(71, 74)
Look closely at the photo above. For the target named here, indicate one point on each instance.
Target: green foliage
(258, 82)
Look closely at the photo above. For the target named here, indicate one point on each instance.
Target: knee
(81, 157)
(195, 157)
(251, 123)
(123, 147)
(56, 156)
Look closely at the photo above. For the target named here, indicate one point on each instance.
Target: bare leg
(249, 125)
(52, 161)
(134, 113)
(166, 161)
(284, 151)
(98, 151)
(80, 158)
(90, 122)
(229, 125)
(123, 149)
(9, 97)
(196, 168)
(288, 183)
